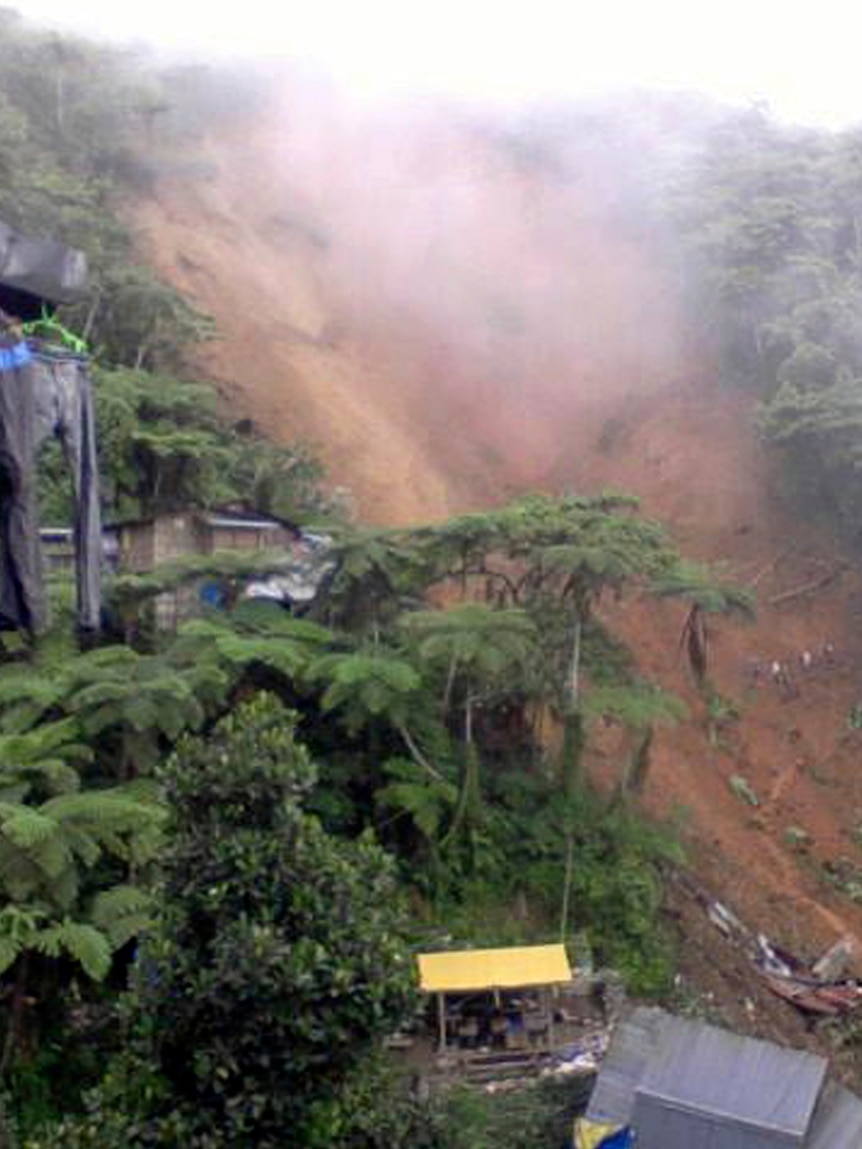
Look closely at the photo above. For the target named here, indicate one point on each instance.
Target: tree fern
(698, 586)
(237, 645)
(85, 944)
(122, 912)
(477, 637)
(25, 827)
(44, 850)
(45, 758)
(254, 617)
(26, 698)
(409, 791)
(636, 705)
(362, 687)
(142, 698)
(374, 574)
(695, 585)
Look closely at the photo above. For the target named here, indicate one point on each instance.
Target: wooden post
(441, 1020)
(550, 1010)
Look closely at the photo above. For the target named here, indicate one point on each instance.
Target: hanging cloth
(49, 329)
(14, 355)
(40, 396)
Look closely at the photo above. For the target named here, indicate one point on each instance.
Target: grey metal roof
(633, 1044)
(683, 1083)
(837, 1121)
(240, 523)
(734, 1079)
(42, 267)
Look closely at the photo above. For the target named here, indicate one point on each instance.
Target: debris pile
(815, 988)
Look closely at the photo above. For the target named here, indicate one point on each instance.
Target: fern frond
(85, 944)
(637, 705)
(9, 952)
(122, 913)
(25, 827)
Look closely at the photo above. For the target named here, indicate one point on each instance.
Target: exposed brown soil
(694, 459)
(405, 296)
(449, 326)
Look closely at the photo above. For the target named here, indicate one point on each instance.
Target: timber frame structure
(521, 969)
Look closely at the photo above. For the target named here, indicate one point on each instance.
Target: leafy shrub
(276, 965)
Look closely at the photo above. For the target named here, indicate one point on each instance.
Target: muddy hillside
(452, 312)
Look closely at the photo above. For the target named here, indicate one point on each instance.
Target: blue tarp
(624, 1139)
(18, 355)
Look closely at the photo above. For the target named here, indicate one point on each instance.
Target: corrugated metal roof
(667, 1128)
(41, 267)
(631, 1047)
(734, 1079)
(460, 971)
(238, 523)
(683, 1084)
(837, 1121)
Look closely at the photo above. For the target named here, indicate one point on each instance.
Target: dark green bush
(276, 965)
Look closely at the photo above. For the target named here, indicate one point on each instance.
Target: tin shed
(837, 1123)
(681, 1083)
(707, 1087)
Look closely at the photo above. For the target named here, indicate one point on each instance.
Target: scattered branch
(808, 588)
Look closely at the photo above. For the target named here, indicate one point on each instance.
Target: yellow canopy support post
(549, 1010)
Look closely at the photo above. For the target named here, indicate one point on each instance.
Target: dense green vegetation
(427, 728)
(771, 233)
(276, 960)
(164, 445)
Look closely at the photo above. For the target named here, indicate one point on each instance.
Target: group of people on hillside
(786, 673)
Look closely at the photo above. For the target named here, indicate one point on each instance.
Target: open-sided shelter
(491, 971)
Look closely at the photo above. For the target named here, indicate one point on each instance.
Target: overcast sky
(802, 58)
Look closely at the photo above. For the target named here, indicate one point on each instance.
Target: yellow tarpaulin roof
(513, 968)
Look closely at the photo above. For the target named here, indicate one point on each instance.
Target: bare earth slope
(450, 322)
(411, 297)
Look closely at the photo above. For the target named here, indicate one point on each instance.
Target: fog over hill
(431, 296)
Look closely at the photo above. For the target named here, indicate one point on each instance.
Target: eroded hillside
(429, 305)
(451, 317)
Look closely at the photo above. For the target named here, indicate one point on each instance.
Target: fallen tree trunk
(807, 588)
